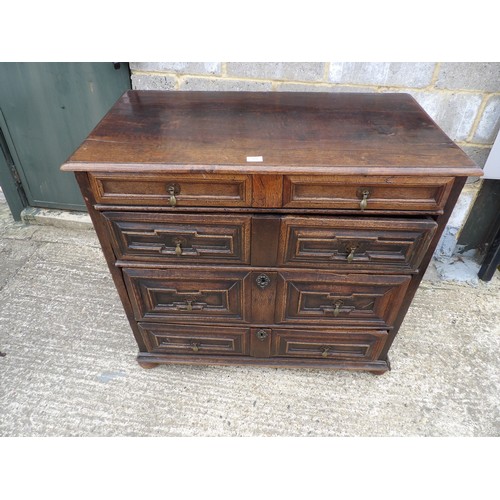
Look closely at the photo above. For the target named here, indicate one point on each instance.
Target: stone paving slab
(13, 255)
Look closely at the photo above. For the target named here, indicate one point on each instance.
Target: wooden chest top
(293, 132)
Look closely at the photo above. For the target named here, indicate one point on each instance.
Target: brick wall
(463, 98)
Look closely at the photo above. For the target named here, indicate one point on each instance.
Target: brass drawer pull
(189, 300)
(364, 202)
(195, 347)
(172, 190)
(338, 305)
(178, 249)
(173, 199)
(350, 257)
(325, 351)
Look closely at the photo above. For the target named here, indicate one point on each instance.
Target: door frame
(10, 179)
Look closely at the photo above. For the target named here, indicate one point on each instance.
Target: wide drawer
(345, 345)
(179, 238)
(192, 295)
(175, 190)
(366, 193)
(339, 299)
(199, 340)
(350, 243)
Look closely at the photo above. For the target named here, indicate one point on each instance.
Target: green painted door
(46, 111)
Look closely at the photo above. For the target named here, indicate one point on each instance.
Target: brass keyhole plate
(263, 280)
(261, 334)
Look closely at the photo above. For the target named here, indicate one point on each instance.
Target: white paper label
(254, 158)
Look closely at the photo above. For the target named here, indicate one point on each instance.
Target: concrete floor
(70, 367)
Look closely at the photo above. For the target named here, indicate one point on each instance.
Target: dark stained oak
(260, 342)
(339, 299)
(354, 243)
(267, 191)
(189, 295)
(378, 367)
(344, 345)
(288, 129)
(179, 238)
(147, 365)
(383, 193)
(415, 282)
(203, 340)
(188, 189)
(109, 255)
(265, 240)
(309, 257)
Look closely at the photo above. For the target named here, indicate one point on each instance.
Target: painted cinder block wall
(463, 98)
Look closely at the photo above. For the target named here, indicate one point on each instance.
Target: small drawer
(179, 238)
(198, 295)
(345, 345)
(194, 340)
(348, 243)
(182, 190)
(338, 300)
(366, 193)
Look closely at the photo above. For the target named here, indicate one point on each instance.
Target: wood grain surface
(308, 257)
(289, 130)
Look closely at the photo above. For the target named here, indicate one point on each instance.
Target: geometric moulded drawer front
(188, 295)
(184, 339)
(179, 238)
(268, 228)
(339, 300)
(172, 190)
(341, 345)
(347, 243)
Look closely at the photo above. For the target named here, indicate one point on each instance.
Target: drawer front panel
(334, 299)
(180, 238)
(380, 193)
(197, 340)
(196, 296)
(354, 243)
(348, 346)
(172, 190)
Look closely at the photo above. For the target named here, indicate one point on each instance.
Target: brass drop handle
(336, 311)
(350, 257)
(325, 351)
(195, 347)
(172, 200)
(178, 249)
(172, 190)
(364, 202)
(189, 305)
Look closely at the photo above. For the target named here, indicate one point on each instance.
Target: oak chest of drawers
(279, 229)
